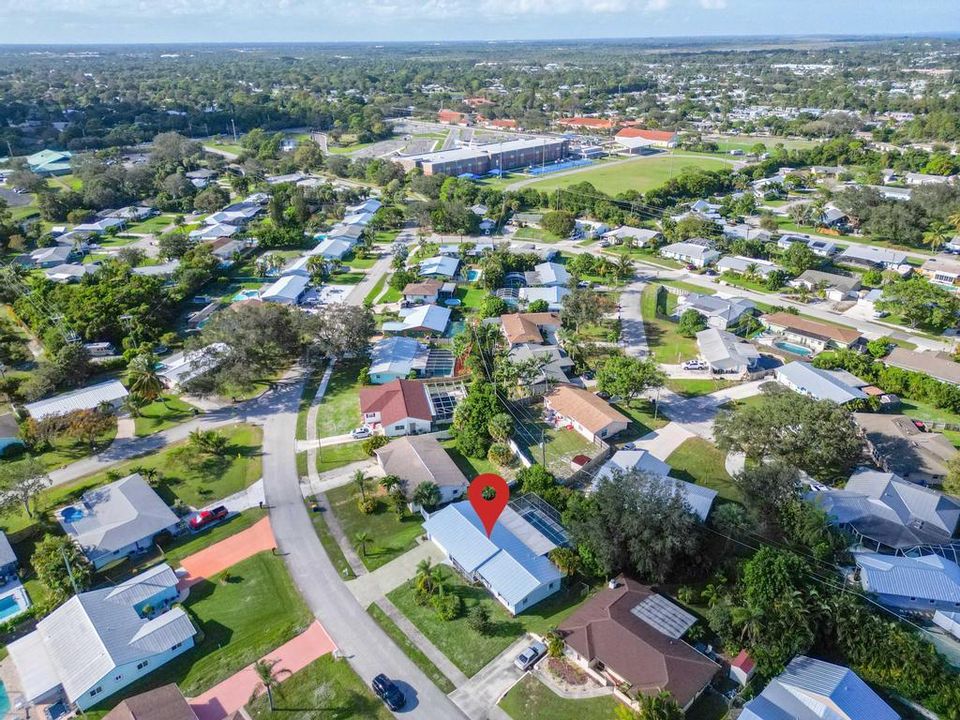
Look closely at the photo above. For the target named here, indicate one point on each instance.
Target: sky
(168, 21)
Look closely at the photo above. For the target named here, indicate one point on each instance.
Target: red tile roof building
(394, 404)
(590, 123)
(452, 117)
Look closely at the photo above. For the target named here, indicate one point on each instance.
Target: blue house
(115, 521)
(394, 358)
(811, 689)
(925, 583)
(512, 563)
(100, 641)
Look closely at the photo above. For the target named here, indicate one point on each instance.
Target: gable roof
(811, 689)
(583, 406)
(397, 355)
(822, 384)
(728, 309)
(725, 350)
(83, 640)
(934, 364)
(7, 555)
(162, 703)
(551, 273)
(607, 629)
(830, 280)
(420, 458)
(86, 398)
(873, 255)
(698, 498)
(113, 516)
(812, 328)
(512, 561)
(396, 401)
(930, 577)
(439, 265)
(432, 318)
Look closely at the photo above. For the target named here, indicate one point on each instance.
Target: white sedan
(360, 433)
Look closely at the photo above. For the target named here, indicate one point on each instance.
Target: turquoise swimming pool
(8, 606)
(794, 349)
(246, 294)
(473, 274)
(4, 701)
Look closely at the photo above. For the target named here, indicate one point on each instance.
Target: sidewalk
(312, 414)
(374, 585)
(225, 698)
(343, 541)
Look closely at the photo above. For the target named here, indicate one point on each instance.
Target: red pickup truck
(207, 517)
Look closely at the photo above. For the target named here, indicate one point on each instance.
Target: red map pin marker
(488, 510)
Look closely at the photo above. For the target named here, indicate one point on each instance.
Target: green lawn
(666, 344)
(234, 148)
(340, 408)
(530, 699)
(195, 480)
(162, 414)
(64, 451)
(471, 297)
(310, 388)
(466, 648)
(375, 291)
(642, 420)
(391, 536)
(745, 142)
(335, 456)
(347, 278)
(924, 411)
(386, 236)
(411, 650)
(560, 446)
(330, 546)
(688, 287)
(639, 174)
(537, 234)
(471, 467)
(326, 688)
(241, 619)
(352, 147)
(154, 225)
(360, 263)
(701, 462)
(695, 387)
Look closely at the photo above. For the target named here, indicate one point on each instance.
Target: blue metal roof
(509, 566)
(930, 577)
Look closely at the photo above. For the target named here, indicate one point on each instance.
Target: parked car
(388, 691)
(602, 395)
(694, 365)
(529, 657)
(208, 517)
(360, 433)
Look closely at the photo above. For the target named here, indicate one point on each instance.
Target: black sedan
(387, 691)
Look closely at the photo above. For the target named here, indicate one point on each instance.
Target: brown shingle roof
(803, 326)
(525, 327)
(164, 703)
(604, 629)
(933, 364)
(427, 287)
(584, 407)
(420, 458)
(395, 401)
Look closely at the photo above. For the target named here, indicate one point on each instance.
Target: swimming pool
(246, 294)
(71, 514)
(8, 606)
(474, 274)
(794, 349)
(4, 701)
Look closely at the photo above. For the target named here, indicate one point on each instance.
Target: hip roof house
(512, 563)
(100, 641)
(836, 385)
(397, 408)
(114, 521)
(589, 415)
(926, 583)
(725, 352)
(422, 459)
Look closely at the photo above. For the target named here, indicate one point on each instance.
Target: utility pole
(66, 562)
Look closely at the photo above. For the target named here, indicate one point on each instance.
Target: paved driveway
(478, 697)
(227, 553)
(632, 334)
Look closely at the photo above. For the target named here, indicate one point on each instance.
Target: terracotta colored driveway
(226, 553)
(233, 693)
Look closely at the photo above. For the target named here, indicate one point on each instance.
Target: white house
(742, 265)
(719, 312)
(400, 407)
(690, 253)
(287, 290)
(110, 392)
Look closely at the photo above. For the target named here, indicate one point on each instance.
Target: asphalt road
(359, 638)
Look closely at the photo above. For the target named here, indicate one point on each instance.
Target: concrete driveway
(478, 698)
(633, 337)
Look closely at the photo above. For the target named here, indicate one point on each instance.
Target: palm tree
(360, 480)
(268, 679)
(427, 494)
(424, 570)
(389, 482)
(143, 379)
(318, 267)
(751, 620)
(133, 403)
(937, 235)
(624, 267)
(361, 541)
(954, 220)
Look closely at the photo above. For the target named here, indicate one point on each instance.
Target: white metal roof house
(811, 689)
(332, 248)
(181, 367)
(421, 320)
(512, 563)
(100, 641)
(549, 274)
(69, 272)
(115, 521)
(836, 385)
(690, 253)
(552, 295)
(926, 583)
(740, 265)
(440, 266)
(638, 237)
(111, 392)
(394, 358)
(287, 290)
(725, 352)
(719, 312)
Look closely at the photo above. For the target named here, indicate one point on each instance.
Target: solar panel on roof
(663, 616)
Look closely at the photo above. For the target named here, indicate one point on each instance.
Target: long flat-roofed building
(482, 159)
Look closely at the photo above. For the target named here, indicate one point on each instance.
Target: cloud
(713, 4)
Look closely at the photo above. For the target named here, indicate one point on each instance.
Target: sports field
(641, 174)
(746, 142)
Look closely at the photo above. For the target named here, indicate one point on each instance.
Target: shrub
(372, 444)
(479, 619)
(500, 454)
(366, 505)
(447, 605)
(422, 595)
